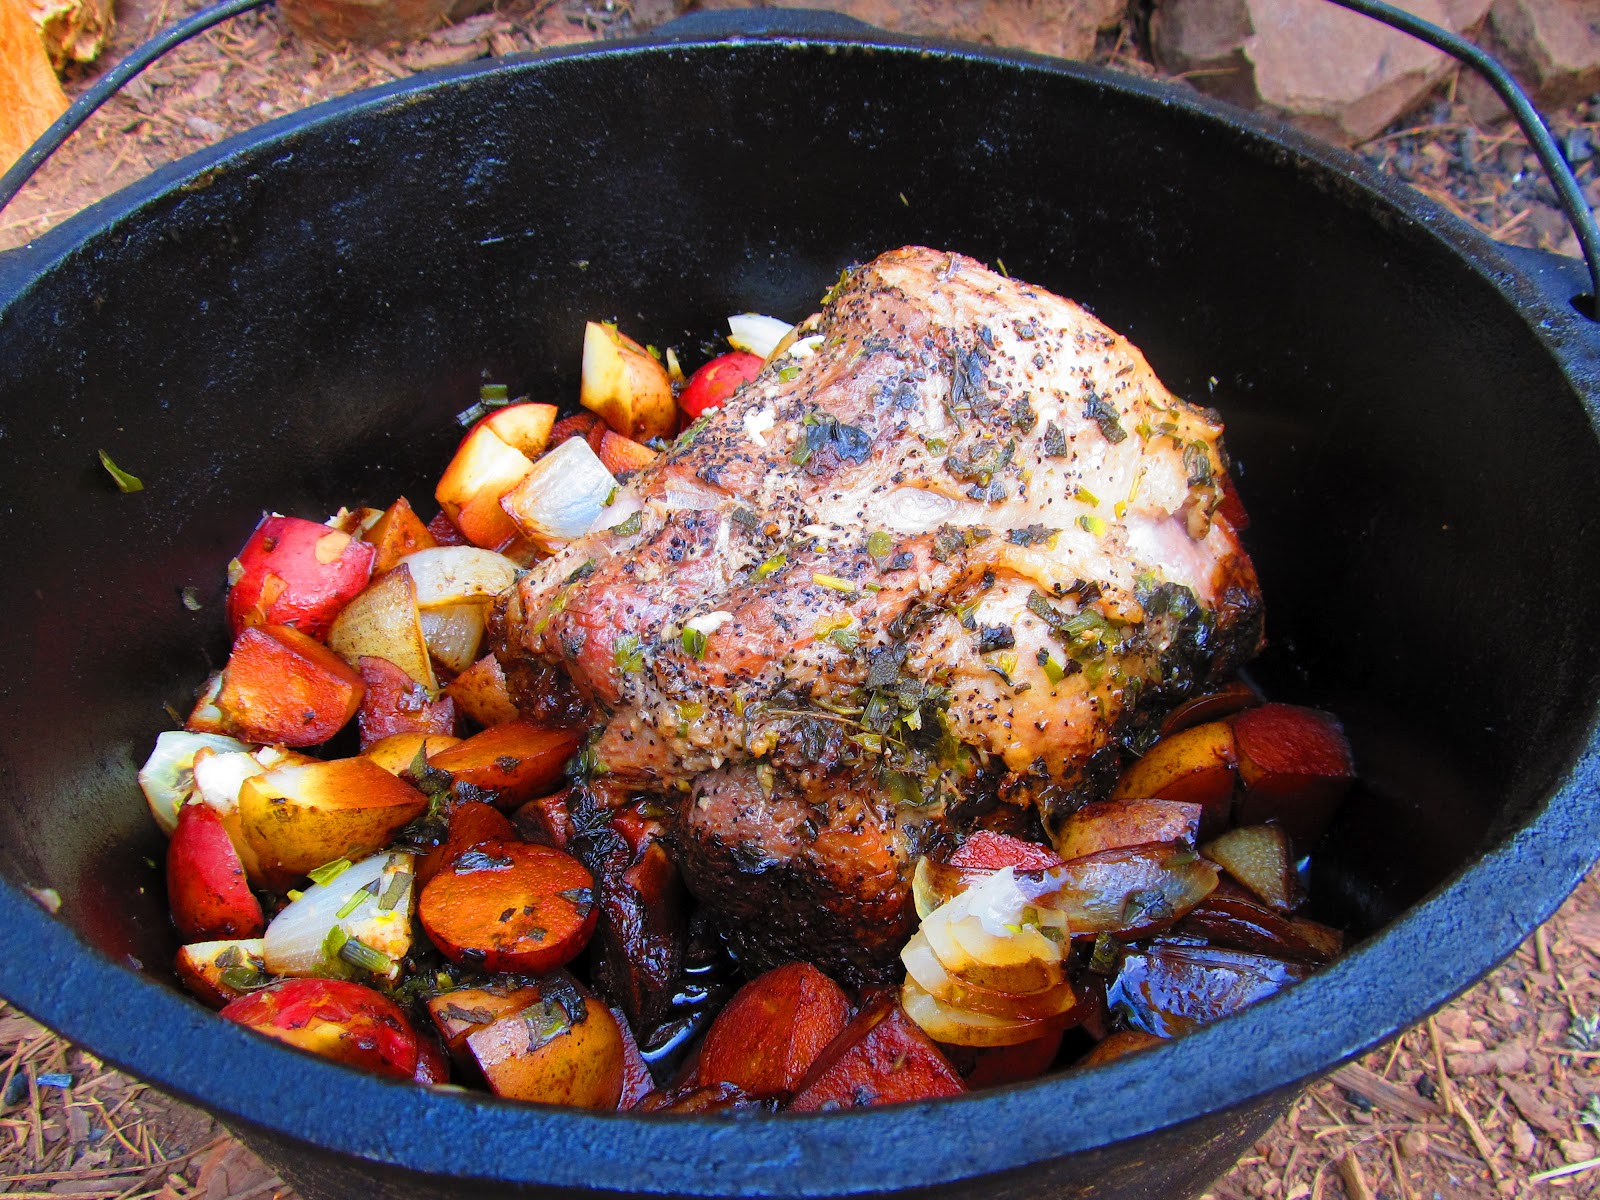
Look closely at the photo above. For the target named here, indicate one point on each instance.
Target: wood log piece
(30, 94)
(364, 22)
(74, 31)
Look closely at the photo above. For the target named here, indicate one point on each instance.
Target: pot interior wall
(294, 328)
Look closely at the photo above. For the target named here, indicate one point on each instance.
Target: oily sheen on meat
(933, 568)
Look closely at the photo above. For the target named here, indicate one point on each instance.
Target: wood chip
(1402, 1101)
(1534, 1111)
(1355, 1182)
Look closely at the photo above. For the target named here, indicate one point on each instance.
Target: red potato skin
(880, 1057)
(538, 891)
(206, 887)
(460, 1013)
(1227, 700)
(508, 764)
(470, 824)
(1295, 765)
(712, 384)
(545, 820)
(344, 1021)
(282, 687)
(1000, 1065)
(443, 531)
(1115, 824)
(773, 1030)
(297, 572)
(986, 851)
(587, 425)
(433, 1064)
(637, 1082)
(394, 703)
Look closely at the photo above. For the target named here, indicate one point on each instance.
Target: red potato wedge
(508, 764)
(585, 425)
(1195, 766)
(1258, 857)
(1227, 700)
(1112, 824)
(510, 906)
(283, 687)
(355, 521)
(433, 1064)
(397, 753)
(624, 386)
(1295, 766)
(206, 886)
(481, 693)
(524, 427)
(296, 572)
(996, 1066)
(1234, 919)
(470, 824)
(548, 1054)
(988, 851)
(545, 819)
(1119, 1045)
(396, 703)
(443, 531)
(466, 1010)
(773, 1030)
(398, 532)
(619, 454)
(384, 622)
(217, 973)
(880, 1057)
(484, 469)
(347, 1022)
(688, 1100)
(297, 818)
(637, 1082)
(713, 383)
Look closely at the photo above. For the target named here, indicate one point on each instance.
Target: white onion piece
(167, 777)
(563, 494)
(219, 775)
(295, 941)
(959, 1027)
(804, 347)
(453, 634)
(449, 575)
(756, 334)
(618, 511)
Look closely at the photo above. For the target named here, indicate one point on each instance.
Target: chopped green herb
(191, 599)
(774, 564)
(334, 942)
(1054, 671)
(328, 872)
(398, 883)
(694, 642)
(627, 655)
(879, 545)
(125, 482)
(845, 639)
(357, 898)
(1055, 442)
(358, 954)
(630, 526)
(788, 374)
(1092, 524)
(832, 582)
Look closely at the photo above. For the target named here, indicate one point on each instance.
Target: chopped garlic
(709, 623)
(805, 347)
(758, 424)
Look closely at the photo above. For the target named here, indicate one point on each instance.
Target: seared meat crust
(965, 535)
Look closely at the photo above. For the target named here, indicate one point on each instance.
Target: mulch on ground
(1497, 1095)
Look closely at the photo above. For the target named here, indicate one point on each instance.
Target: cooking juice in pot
(857, 720)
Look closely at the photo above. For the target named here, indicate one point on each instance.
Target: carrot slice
(508, 764)
(773, 1029)
(510, 906)
(470, 824)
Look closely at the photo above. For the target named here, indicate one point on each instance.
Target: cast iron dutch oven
(290, 319)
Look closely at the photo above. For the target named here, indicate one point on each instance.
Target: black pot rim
(1446, 942)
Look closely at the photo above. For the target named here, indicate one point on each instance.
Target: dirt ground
(1497, 1095)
